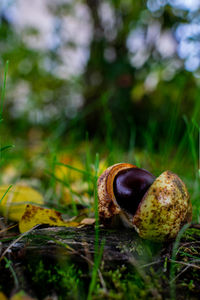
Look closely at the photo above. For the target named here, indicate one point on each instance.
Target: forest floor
(86, 261)
(70, 263)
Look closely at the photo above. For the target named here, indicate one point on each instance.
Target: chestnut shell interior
(129, 187)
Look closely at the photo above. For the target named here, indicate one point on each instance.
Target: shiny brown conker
(129, 187)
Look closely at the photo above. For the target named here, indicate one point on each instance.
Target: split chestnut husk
(155, 207)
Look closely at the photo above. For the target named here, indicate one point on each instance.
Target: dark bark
(119, 245)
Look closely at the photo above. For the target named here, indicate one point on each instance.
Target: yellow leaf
(14, 203)
(35, 215)
(66, 174)
(21, 296)
(103, 165)
(2, 296)
(79, 188)
(9, 173)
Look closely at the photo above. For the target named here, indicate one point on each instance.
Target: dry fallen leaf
(2, 296)
(21, 296)
(88, 221)
(10, 172)
(103, 165)
(35, 215)
(64, 173)
(14, 202)
(77, 193)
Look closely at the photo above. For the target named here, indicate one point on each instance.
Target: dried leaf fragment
(21, 295)
(2, 296)
(35, 215)
(88, 221)
(14, 202)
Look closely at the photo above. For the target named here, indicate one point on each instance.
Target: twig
(150, 264)
(185, 269)
(73, 251)
(172, 266)
(188, 243)
(185, 264)
(6, 229)
(153, 291)
(89, 260)
(197, 226)
(15, 241)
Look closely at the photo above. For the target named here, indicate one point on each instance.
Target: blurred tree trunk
(108, 83)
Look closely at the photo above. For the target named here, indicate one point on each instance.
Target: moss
(191, 234)
(125, 283)
(64, 280)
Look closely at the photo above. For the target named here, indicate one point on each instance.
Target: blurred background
(121, 76)
(91, 83)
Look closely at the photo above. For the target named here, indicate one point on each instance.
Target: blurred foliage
(133, 78)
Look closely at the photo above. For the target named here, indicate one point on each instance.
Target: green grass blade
(5, 193)
(75, 169)
(10, 267)
(97, 252)
(96, 212)
(95, 270)
(173, 266)
(6, 147)
(3, 91)
(64, 182)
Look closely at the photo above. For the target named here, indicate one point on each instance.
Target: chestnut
(155, 207)
(129, 187)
